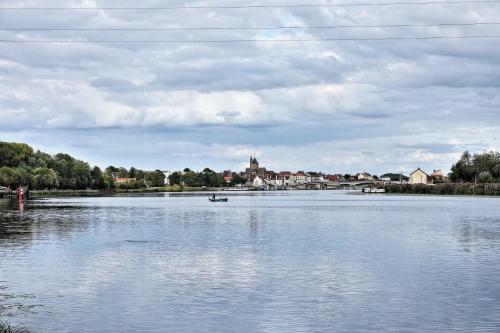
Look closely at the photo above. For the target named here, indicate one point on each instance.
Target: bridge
(335, 185)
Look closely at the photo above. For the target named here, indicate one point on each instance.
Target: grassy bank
(490, 189)
(91, 193)
(7, 328)
(63, 193)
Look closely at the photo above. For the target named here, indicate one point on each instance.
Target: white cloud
(298, 105)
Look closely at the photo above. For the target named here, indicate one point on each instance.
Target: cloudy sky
(337, 106)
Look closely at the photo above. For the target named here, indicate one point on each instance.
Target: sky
(338, 106)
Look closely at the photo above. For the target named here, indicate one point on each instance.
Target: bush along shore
(490, 189)
(5, 327)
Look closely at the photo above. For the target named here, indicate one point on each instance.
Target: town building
(228, 176)
(258, 182)
(254, 170)
(299, 178)
(333, 178)
(285, 178)
(316, 177)
(420, 177)
(438, 175)
(364, 176)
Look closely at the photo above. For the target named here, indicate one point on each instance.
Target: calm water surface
(270, 262)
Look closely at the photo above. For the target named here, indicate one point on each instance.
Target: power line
(256, 28)
(255, 6)
(228, 41)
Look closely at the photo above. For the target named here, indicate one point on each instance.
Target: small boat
(373, 190)
(217, 199)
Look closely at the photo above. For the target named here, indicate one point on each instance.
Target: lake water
(315, 261)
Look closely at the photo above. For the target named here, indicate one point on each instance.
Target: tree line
(21, 165)
(481, 167)
(205, 178)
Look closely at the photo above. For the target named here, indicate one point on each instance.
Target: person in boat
(213, 197)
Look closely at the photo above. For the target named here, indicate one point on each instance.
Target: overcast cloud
(345, 106)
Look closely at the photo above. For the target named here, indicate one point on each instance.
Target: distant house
(285, 177)
(420, 177)
(258, 182)
(123, 180)
(333, 178)
(364, 176)
(299, 177)
(228, 176)
(438, 175)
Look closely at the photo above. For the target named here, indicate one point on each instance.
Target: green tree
(15, 154)
(237, 179)
(155, 178)
(122, 173)
(45, 178)
(463, 170)
(190, 178)
(469, 167)
(25, 176)
(110, 170)
(97, 176)
(175, 178)
(495, 172)
(210, 178)
(140, 174)
(108, 181)
(394, 176)
(132, 173)
(485, 177)
(9, 177)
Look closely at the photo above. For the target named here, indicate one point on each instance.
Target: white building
(258, 182)
(317, 179)
(298, 178)
(167, 174)
(364, 176)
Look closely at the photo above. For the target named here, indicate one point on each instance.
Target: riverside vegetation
(477, 174)
(62, 174)
(21, 165)
(5, 327)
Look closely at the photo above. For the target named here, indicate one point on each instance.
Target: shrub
(7, 328)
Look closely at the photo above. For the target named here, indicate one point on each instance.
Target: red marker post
(20, 194)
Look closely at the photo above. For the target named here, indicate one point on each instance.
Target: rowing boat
(217, 199)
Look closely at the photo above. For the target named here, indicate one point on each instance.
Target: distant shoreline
(453, 189)
(470, 189)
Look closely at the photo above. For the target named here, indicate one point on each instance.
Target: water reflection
(297, 262)
(479, 232)
(254, 224)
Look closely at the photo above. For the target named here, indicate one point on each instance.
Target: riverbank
(490, 189)
(95, 193)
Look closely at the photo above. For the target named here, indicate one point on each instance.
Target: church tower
(254, 164)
